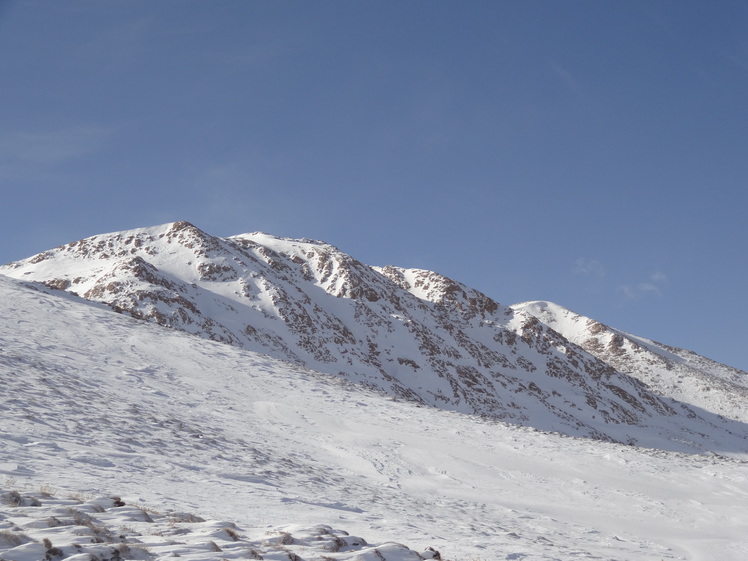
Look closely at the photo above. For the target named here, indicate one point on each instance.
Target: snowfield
(226, 449)
(410, 333)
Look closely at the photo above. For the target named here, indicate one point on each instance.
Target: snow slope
(672, 372)
(96, 404)
(411, 333)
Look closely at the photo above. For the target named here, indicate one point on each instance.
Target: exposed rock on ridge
(412, 333)
(668, 371)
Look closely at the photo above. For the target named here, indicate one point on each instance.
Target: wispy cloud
(659, 278)
(596, 277)
(31, 155)
(52, 147)
(654, 285)
(589, 268)
(566, 78)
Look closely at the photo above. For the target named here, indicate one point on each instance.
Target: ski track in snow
(102, 405)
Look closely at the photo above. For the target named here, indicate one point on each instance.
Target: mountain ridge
(409, 332)
(669, 370)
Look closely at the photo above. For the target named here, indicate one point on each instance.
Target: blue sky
(589, 153)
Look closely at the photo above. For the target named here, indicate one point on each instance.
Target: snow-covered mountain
(669, 371)
(123, 440)
(411, 333)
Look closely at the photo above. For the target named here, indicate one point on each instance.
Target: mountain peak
(412, 333)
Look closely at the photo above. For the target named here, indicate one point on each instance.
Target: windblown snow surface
(122, 439)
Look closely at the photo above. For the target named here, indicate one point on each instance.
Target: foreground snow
(97, 405)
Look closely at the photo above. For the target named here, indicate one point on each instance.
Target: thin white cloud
(34, 155)
(659, 277)
(52, 147)
(566, 78)
(644, 287)
(653, 286)
(628, 292)
(589, 268)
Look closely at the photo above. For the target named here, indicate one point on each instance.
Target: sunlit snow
(96, 405)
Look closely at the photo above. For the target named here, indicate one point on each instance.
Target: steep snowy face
(669, 371)
(412, 333)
